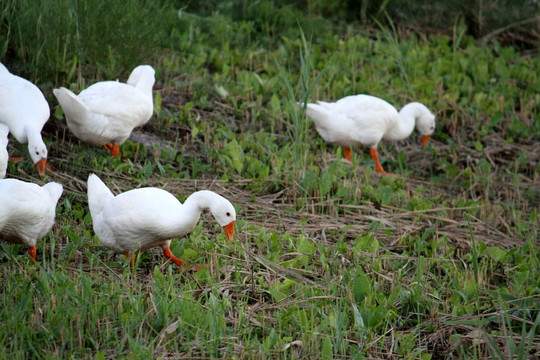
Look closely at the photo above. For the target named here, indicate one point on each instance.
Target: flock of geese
(105, 114)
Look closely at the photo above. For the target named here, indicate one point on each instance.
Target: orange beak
(425, 139)
(42, 166)
(229, 230)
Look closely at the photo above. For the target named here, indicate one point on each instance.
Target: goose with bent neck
(366, 120)
(143, 218)
(185, 217)
(24, 110)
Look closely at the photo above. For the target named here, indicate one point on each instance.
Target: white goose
(24, 110)
(143, 218)
(27, 212)
(107, 112)
(366, 120)
(4, 131)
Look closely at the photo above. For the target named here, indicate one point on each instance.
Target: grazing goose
(366, 120)
(105, 113)
(27, 212)
(24, 110)
(143, 218)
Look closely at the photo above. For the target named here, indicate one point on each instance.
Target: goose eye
(228, 214)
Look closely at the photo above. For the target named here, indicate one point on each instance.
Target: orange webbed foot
(114, 149)
(198, 267)
(15, 159)
(378, 167)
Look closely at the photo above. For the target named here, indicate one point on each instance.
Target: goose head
(37, 148)
(225, 215)
(425, 123)
(38, 153)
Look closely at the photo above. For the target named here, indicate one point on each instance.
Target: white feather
(4, 156)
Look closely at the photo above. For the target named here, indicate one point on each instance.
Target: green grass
(329, 260)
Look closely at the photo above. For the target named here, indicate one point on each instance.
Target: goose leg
(130, 257)
(114, 149)
(375, 157)
(169, 255)
(32, 251)
(15, 159)
(347, 153)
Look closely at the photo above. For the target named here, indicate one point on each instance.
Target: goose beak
(425, 139)
(229, 230)
(42, 166)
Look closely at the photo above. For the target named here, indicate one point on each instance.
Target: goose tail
(98, 194)
(140, 72)
(3, 69)
(74, 109)
(316, 112)
(55, 191)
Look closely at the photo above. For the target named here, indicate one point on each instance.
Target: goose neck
(188, 215)
(199, 201)
(33, 136)
(404, 126)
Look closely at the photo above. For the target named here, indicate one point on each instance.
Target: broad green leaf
(358, 321)
(361, 287)
(496, 253)
(327, 350)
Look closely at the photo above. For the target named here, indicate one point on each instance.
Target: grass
(329, 260)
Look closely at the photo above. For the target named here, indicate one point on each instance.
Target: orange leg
(375, 157)
(130, 256)
(32, 251)
(114, 149)
(15, 159)
(347, 153)
(169, 255)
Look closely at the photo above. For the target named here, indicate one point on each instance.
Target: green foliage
(356, 265)
(47, 41)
